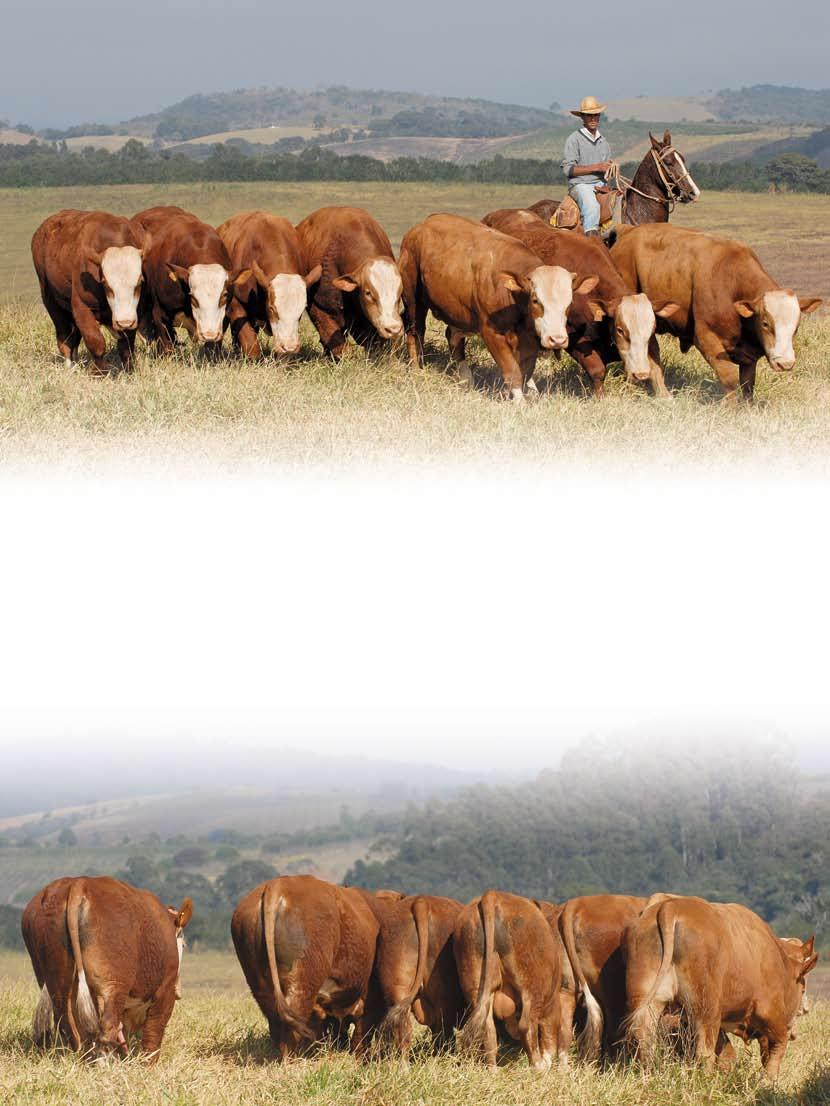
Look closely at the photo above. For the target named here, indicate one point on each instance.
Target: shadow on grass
(814, 1091)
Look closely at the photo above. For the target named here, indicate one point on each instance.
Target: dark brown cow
(609, 325)
(189, 278)
(306, 948)
(89, 266)
(720, 297)
(275, 294)
(359, 291)
(592, 928)
(414, 969)
(107, 958)
(480, 281)
(723, 967)
(508, 969)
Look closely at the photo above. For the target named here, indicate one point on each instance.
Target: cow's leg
(567, 1009)
(91, 333)
(126, 349)
(490, 1042)
(457, 341)
(245, 338)
(528, 354)
(591, 363)
(658, 381)
(164, 331)
(368, 1021)
(727, 370)
(156, 1021)
(549, 1039)
(66, 332)
(330, 330)
(503, 349)
(774, 1054)
(111, 1017)
(748, 380)
(725, 1053)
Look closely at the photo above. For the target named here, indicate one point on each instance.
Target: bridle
(670, 182)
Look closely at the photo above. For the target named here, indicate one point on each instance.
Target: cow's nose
(555, 341)
(125, 324)
(785, 366)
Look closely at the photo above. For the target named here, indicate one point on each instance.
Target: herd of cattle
(327, 960)
(522, 285)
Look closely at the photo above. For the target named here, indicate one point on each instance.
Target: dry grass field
(217, 1052)
(371, 410)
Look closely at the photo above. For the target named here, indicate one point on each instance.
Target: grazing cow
(591, 928)
(722, 966)
(612, 323)
(107, 958)
(89, 266)
(480, 281)
(720, 297)
(414, 969)
(306, 948)
(359, 291)
(568, 988)
(508, 969)
(189, 278)
(275, 294)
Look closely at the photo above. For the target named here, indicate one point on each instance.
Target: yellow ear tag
(173, 277)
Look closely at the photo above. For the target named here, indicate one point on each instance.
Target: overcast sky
(94, 60)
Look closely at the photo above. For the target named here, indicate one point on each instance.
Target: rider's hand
(603, 166)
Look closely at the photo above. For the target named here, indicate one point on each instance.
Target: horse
(661, 181)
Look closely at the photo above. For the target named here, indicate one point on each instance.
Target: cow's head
(549, 290)
(381, 294)
(633, 322)
(801, 956)
(287, 295)
(774, 317)
(208, 287)
(119, 272)
(180, 918)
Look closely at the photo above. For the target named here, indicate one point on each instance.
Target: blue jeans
(585, 196)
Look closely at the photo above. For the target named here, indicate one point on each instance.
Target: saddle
(567, 215)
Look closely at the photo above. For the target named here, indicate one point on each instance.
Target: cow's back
(270, 240)
(180, 237)
(342, 238)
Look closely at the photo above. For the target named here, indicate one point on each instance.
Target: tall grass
(217, 1052)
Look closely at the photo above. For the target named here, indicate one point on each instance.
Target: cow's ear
(666, 310)
(585, 286)
(808, 965)
(345, 284)
(240, 276)
(313, 276)
(144, 239)
(597, 310)
(745, 309)
(184, 914)
(808, 304)
(511, 282)
(177, 273)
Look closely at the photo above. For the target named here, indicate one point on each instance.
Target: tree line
(41, 165)
(733, 828)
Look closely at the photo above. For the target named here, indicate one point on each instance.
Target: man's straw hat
(589, 106)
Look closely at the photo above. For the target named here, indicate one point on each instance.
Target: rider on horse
(586, 160)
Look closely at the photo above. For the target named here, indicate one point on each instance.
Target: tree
(243, 877)
(794, 172)
(67, 838)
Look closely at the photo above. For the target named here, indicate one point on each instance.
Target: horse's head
(671, 167)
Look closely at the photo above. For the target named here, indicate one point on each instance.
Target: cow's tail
(271, 902)
(477, 1018)
(642, 1020)
(395, 1018)
(43, 1026)
(88, 1025)
(589, 1042)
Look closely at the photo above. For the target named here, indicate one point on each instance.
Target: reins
(625, 184)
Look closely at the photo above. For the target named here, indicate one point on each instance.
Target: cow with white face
(90, 268)
(724, 301)
(275, 294)
(480, 281)
(189, 278)
(634, 322)
(359, 291)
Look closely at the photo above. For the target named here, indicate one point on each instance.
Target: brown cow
(107, 958)
(609, 325)
(359, 291)
(723, 967)
(306, 948)
(414, 969)
(508, 969)
(591, 928)
(89, 266)
(568, 987)
(720, 299)
(189, 278)
(275, 294)
(480, 281)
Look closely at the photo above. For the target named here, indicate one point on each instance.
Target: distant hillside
(768, 103)
(815, 146)
(738, 826)
(217, 112)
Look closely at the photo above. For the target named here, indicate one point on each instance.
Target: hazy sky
(488, 621)
(93, 60)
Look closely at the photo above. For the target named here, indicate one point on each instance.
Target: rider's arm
(601, 168)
